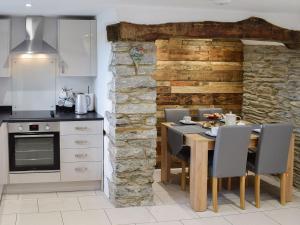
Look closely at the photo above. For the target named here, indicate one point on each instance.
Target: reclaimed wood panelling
(195, 74)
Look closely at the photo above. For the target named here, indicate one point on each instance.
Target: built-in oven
(34, 146)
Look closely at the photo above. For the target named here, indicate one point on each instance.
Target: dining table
(200, 145)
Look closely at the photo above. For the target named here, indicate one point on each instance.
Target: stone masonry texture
(272, 90)
(132, 120)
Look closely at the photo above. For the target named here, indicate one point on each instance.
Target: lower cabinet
(81, 171)
(81, 152)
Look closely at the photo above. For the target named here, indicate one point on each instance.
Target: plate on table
(187, 122)
(258, 130)
(209, 133)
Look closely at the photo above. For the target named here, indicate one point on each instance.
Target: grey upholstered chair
(271, 156)
(230, 158)
(174, 115)
(202, 112)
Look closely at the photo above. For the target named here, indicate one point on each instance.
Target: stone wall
(198, 73)
(132, 120)
(272, 89)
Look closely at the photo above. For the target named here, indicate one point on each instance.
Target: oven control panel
(34, 127)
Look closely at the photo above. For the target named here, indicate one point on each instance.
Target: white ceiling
(93, 7)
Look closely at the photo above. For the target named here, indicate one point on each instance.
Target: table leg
(198, 175)
(165, 156)
(290, 171)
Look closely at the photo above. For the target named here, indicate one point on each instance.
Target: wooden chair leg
(229, 184)
(242, 192)
(215, 193)
(282, 189)
(220, 184)
(183, 176)
(257, 191)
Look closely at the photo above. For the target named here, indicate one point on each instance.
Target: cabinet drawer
(81, 141)
(81, 127)
(81, 171)
(81, 155)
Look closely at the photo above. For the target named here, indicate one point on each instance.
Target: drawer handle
(81, 128)
(80, 156)
(81, 169)
(81, 142)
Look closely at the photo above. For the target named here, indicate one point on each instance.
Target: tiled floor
(171, 208)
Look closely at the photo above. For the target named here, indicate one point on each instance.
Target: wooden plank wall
(197, 73)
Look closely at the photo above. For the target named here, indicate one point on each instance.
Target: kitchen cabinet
(3, 156)
(81, 150)
(77, 46)
(4, 47)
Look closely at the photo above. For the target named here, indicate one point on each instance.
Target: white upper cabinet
(4, 47)
(77, 47)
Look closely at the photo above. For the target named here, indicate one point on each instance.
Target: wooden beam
(252, 28)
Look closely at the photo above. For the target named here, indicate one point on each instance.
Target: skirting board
(52, 187)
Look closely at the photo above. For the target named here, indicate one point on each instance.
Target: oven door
(34, 151)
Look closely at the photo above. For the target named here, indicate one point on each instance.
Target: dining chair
(175, 115)
(271, 156)
(202, 112)
(230, 159)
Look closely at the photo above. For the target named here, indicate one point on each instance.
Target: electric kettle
(82, 103)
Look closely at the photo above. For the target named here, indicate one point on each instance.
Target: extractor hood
(34, 43)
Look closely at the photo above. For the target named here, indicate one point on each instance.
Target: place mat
(188, 129)
(207, 136)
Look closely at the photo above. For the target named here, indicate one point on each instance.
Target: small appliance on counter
(82, 103)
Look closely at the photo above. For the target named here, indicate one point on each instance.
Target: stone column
(132, 120)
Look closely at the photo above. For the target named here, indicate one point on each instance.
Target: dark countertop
(6, 116)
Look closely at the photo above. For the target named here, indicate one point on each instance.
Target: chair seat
(185, 154)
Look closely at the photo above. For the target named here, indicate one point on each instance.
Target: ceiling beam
(252, 28)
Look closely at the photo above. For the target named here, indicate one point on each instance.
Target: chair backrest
(231, 150)
(273, 148)
(174, 115)
(202, 112)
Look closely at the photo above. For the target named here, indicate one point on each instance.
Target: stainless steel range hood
(34, 42)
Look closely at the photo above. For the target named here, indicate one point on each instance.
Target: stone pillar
(272, 89)
(132, 120)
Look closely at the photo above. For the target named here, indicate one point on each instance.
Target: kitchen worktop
(45, 116)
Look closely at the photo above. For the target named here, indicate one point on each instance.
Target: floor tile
(8, 219)
(257, 218)
(58, 204)
(224, 209)
(171, 212)
(157, 200)
(129, 215)
(75, 193)
(53, 218)
(173, 197)
(162, 223)
(95, 202)
(91, 217)
(10, 197)
(207, 221)
(38, 195)
(289, 216)
(18, 206)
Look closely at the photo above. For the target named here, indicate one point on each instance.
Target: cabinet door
(75, 47)
(3, 156)
(4, 47)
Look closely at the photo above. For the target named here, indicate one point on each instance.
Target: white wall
(102, 82)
